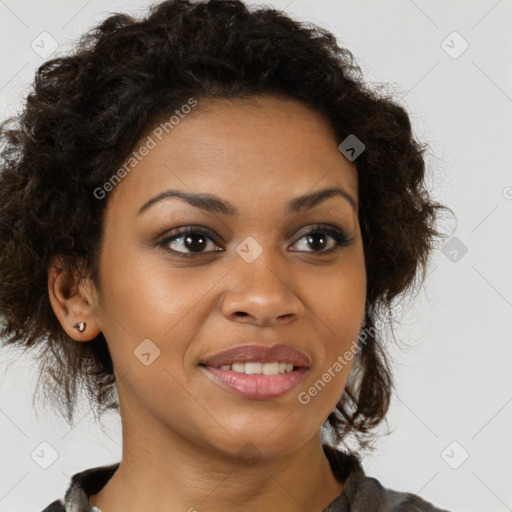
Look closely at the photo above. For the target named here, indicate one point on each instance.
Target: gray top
(360, 493)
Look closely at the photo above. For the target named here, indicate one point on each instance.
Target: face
(267, 274)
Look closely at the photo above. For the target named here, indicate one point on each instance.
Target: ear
(72, 302)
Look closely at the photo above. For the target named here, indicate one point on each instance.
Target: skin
(183, 435)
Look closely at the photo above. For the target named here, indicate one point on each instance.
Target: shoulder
(370, 492)
(82, 485)
(363, 493)
(55, 506)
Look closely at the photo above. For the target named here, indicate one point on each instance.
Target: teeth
(270, 368)
(238, 367)
(254, 368)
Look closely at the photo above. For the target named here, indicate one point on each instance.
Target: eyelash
(341, 239)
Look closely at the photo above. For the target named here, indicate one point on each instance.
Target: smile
(252, 383)
(258, 368)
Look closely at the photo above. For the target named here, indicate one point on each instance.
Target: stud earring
(80, 326)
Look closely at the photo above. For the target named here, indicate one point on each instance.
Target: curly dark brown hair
(88, 109)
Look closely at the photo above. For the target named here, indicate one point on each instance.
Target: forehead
(238, 148)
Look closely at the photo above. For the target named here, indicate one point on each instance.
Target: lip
(257, 353)
(256, 387)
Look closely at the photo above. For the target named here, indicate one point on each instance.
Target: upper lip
(260, 353)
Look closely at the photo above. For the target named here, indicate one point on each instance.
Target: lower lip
(256, 387)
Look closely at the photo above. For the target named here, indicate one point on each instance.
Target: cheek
(144, 293)
(338, 306)
(145, 299)
(339, 298)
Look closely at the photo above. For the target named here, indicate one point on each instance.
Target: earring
(80, 326)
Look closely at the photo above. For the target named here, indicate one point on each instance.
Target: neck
(181, 475)
(166, 469)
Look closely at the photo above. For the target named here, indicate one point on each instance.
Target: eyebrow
(214, 204)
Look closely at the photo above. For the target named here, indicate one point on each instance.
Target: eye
(198, 240)
(316, 238)
(191, 238)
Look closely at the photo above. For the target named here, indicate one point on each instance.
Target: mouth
(255, 359)
(257, 372)
(258, 367)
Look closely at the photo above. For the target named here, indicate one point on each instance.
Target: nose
(262, 292)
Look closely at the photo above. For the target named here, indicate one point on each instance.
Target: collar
(346, 467)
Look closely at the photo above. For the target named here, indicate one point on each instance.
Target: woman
(204, 214)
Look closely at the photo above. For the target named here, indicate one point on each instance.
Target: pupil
(312, 237)
(190, 238)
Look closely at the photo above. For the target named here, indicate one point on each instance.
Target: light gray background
(453, 384)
